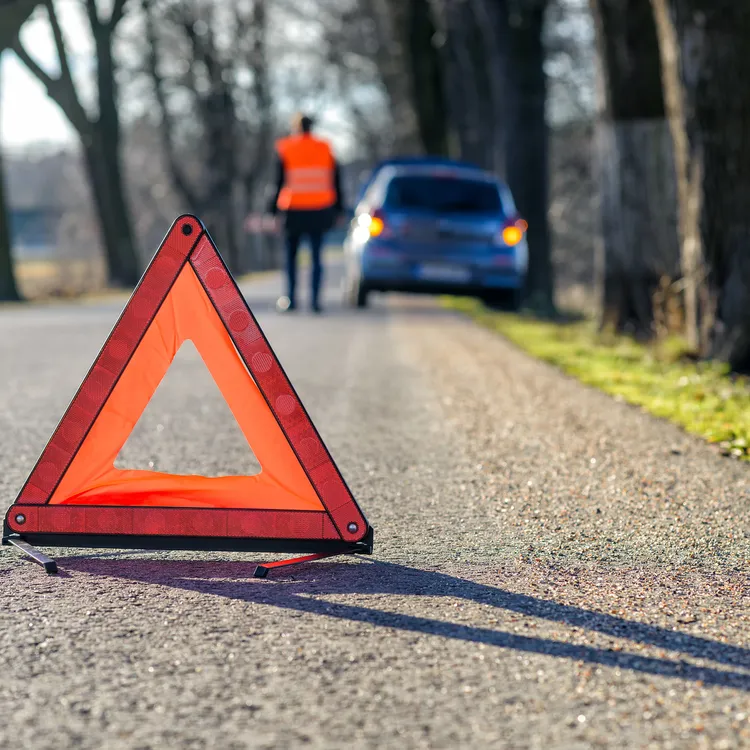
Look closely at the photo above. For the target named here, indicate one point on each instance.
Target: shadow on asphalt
(297, 591)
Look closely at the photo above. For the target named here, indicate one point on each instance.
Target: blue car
(436, 226)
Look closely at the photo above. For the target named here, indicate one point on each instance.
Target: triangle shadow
(297, 592)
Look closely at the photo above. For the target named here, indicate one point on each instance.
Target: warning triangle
(75, 496)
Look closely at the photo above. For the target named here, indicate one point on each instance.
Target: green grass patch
(702, 397)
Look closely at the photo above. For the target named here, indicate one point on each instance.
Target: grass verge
(703, 397)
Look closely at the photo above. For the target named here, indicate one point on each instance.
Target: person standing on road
(308, 195)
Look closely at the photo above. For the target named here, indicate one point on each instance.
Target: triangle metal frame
(339, 528)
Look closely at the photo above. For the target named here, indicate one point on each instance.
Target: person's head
(302, 123)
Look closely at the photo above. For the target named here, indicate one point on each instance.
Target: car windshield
(443, 195)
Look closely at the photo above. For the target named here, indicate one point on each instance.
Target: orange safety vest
(308, 174)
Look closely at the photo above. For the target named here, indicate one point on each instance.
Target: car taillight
(377, 226)
(373, 223)
(512, 232)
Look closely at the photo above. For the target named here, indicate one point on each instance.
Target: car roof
(439, 170)
(426, 163)
(423, 161)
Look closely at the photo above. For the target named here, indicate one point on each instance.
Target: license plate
(436, 272)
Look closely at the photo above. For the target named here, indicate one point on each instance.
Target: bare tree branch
(166, 129)
(93, 14)
(14, 13)
(34, 68)
(59, 90)
(117, 12)
(62, 51)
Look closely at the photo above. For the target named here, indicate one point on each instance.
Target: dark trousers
(292, 246)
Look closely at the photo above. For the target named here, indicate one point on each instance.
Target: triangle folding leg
(75, 497)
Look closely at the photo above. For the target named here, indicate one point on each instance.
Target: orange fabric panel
(308, 174)
(92, 479)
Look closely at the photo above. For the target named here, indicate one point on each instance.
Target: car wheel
(494, 300)
(362, 294)
(514, 300)
(357, 292)
(507, 300)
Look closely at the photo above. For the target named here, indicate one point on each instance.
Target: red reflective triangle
(309, 509)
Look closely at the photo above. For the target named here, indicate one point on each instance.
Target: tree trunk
(706, 69)
(492, 22)
(107, 129)
(480, 59)
(122, 227)
(391, 18)
(8, 287)
(218, 116)
(100, 138)
(527, 148)
(635, 166)
(13, 17)
(427, 74)
(463, 74)
(638, 221)
(98, 184)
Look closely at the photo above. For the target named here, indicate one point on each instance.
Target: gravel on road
(552, 568)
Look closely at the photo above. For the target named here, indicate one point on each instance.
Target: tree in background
(209, 70)
(465, 80)
(12, 16)
(495, 89)
(706, 70)
(458, 77)
(527, 153)
(492, 27)
(99, 131)
(349, 77)
(427, 73)
(635, 167)
(391, 20)
(388, 46)
(8, 286)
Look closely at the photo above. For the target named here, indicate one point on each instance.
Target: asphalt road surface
(553, 569)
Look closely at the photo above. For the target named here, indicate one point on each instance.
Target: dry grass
(44, 280)
(64, 279)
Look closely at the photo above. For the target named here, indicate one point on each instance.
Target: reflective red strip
(273, 383)
(108, 366)
(93, 519)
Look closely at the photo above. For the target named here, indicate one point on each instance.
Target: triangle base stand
(262, 570)
(49, 565)
(320, 550)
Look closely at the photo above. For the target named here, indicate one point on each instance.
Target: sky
(26, 113)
